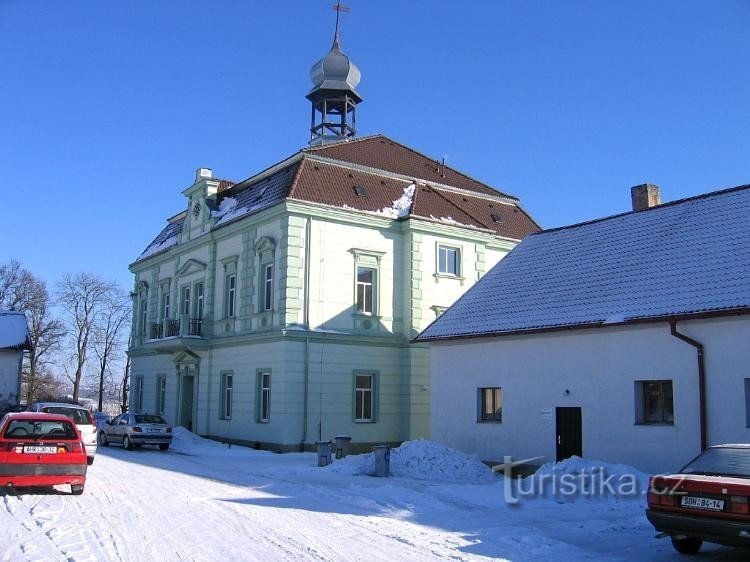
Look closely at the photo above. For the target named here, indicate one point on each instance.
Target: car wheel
(89, 460)
(103, 441)
(687, 545)
(127, 443)
(164, 446)
(76, 490)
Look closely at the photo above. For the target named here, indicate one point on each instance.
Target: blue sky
(108, 107)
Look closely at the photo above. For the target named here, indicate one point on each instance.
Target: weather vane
(339, 7)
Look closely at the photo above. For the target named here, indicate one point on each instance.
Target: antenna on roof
(442, 167)
(338, 7)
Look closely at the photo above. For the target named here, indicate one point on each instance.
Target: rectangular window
(654, 402)
(186, 301)
(199, 300)
(231, 289)
(268, 287)
(161, 394)
(490, 404)
(227, 382)
(449, 261)
(144, 316)
(264, 396)
(366, 289)
(364, 398)
(165, 304)
(137, 394)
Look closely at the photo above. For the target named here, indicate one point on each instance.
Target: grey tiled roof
(679, 259)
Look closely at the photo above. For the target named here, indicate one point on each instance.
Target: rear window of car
(78, 415)
(149, 419)
(40, 429)
(721, 461)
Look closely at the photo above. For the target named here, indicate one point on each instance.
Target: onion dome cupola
(334, 97)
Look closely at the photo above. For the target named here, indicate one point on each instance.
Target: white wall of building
(594, 369)
(10, 364)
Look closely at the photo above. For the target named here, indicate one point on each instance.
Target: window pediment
(265, 244)
(191, 266)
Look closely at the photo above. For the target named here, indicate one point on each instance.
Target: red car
(39, 449)
(705, 501)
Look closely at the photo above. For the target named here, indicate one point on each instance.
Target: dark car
(705, 501)
(38, 449)
(133, 430)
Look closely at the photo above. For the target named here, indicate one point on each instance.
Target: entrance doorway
(569, 433)
(186, 402)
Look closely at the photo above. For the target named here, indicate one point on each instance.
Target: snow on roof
(13, 330)
(683, 258)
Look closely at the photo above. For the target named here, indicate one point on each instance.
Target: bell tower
(334, 97)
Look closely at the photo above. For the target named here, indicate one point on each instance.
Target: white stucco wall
(598, 368)
(10, 363)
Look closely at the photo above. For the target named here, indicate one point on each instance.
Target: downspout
(306, 321)
(701, 378)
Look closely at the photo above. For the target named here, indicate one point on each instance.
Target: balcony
(172, 334)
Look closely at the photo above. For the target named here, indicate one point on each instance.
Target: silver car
(133, 430)
(79, 415)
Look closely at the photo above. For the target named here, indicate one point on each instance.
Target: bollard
(324, 453)
(342, 445)
(382, 460)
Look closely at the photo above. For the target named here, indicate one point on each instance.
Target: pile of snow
(157, 247)
(422, 460)
(576, 476)
(401, 206)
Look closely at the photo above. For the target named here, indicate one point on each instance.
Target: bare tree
(20, 290)
(109, 330)
(84, 298)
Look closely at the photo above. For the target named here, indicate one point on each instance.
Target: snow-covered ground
(203, 500)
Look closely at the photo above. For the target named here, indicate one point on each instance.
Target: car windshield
(149, 419)
(37, 429)
(721, 461)
(78, 415)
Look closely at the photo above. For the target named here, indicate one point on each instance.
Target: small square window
(360, 191)
(497, 218)
(449, 261)
(654, 402)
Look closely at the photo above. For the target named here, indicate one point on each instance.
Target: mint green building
(278, 311)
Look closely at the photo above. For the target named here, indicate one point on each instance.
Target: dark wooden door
(569, 433)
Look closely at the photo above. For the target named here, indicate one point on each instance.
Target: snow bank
(586, 477)
(401, 206)
(422, 460)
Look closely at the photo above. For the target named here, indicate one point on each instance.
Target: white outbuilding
(13, 341)
(625, 339)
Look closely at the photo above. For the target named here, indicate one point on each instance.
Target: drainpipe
(306, 321)
(701, 378)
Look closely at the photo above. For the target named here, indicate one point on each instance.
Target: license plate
(39, 449)
(154, 430)
(703, 503)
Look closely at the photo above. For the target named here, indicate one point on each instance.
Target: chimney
(645, 196)
(202, 173)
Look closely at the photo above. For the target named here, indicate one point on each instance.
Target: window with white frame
(165, 302)
(136, 398)
(267, 287)
(227, 390)
(199, 300)
(654, 402)
(161, 394)
(366, 290)
(264, 396)
(449, 260)
(364, 397)
(144, 316)
(230, 295)
(185, 309)
(490, 404)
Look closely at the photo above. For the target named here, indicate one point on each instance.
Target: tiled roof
(367, 175)
(684, 258)
(380, 152)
